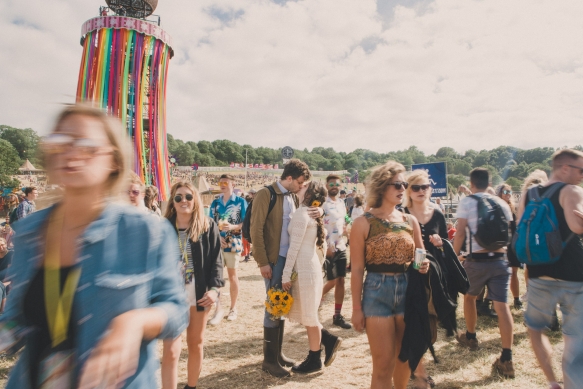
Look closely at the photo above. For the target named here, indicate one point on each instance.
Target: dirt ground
(233, 351)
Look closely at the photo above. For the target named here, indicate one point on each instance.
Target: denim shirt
(128, 261)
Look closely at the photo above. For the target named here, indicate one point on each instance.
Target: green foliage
(25, 141)
(9, 164)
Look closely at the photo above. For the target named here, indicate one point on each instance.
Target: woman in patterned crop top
(383, 241)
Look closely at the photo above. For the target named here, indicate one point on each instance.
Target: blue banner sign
(437, 177)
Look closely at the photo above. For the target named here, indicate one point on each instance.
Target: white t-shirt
(356, 212)
(468, 209)
(334, 222)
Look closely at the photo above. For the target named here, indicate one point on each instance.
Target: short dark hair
(227, 177)
(480, 178)
(333, 177)
(29, 190)
(296, 169)
(562, 157)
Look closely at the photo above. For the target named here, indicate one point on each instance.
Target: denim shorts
(384, 295)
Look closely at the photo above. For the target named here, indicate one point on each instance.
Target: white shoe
(232, 315)
(217, 318)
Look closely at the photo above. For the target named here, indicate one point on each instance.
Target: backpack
(492, 232)
(538, 239)
(246, 229)
(13, 216)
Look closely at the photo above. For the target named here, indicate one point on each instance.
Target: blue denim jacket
(128, 261)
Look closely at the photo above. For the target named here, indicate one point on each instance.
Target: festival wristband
(216, 290)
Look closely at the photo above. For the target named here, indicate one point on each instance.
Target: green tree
(9, 164)
(25, 141)
(514, 183)
(456, 180)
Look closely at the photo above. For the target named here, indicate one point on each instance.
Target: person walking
(560, 282)
(307, 236)
(199, 242)
(94, 282)
(228, 211)
(336, 259)
(383, 242)
(27, 206)
(270, 218)
(485, 267)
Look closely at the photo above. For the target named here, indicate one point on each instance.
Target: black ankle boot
(189, 387)
(282, 359)
(271, 352)
(311, 364)
(331, 344)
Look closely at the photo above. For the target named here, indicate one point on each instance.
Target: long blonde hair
(414, 176)
(537, 177)
(379, 180)
(199, 222)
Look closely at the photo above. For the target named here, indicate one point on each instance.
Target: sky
(374, 74)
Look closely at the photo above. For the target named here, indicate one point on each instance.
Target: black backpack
(246, 229)
(492, 232)
(14, 216)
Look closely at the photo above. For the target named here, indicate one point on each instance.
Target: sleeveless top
(389, 247)
(569, 267)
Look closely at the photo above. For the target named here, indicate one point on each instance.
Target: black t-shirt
(35, 315)
(435, 225)
(570, 266)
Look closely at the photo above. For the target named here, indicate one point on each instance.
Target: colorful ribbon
(125, 72)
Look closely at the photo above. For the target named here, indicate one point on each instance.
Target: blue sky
(376, 74)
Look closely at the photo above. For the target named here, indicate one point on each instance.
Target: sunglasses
(223, 183)
(577, 167)
(506, 192)
(134, 192)
(399, 184)
(417, 188)
(178, 198)
(60, 143)
(333, 184)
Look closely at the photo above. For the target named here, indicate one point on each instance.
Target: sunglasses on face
(60, 143)
(178, 198)
(578, 168)
(333, 184)
(399, 184)
(134, 192)
(417, 188)
(507, 192)
(223, 184)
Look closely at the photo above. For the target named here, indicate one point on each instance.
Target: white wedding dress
(303, 257)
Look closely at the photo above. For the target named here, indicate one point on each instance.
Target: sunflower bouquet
(278, 303)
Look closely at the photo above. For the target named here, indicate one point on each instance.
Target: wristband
(216, 290)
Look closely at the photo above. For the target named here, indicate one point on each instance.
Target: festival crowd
(96, 278)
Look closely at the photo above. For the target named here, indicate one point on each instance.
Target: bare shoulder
(571, 194)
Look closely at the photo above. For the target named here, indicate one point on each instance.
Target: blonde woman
(120, 285)
(200, 253)
(383, 241)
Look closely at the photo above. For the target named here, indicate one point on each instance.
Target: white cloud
(460, 73)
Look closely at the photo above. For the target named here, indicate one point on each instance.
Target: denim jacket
(128, 261)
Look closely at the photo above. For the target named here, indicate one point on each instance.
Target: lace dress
(303, 258)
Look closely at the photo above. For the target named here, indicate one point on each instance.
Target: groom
(270, 245)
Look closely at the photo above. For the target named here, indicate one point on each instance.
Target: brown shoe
(472, 344)
(506, 369)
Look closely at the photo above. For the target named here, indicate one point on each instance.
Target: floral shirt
(334, 222)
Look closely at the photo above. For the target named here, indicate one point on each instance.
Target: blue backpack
(538, 239)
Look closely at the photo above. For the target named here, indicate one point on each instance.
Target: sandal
(424, 383)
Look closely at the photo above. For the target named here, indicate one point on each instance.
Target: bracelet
(216, 290)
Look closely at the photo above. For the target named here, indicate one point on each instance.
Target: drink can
(419, 258)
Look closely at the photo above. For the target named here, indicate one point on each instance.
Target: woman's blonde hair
(511, 202)
(414, 176)
(199, 222)
(379, 180)
(121, 153)
(537, 177)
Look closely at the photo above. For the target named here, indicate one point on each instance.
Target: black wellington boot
(282, 359)
(331, 344)
(271, 352)
(311, 364)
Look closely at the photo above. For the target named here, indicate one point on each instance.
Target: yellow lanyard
(183, 247)
(58, 305)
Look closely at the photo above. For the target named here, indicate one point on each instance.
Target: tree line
(505, 163)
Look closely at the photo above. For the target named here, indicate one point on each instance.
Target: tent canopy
(27, 167)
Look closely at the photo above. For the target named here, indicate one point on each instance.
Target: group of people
(95, 281)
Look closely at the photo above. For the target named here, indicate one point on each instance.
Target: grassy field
(233, 351)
